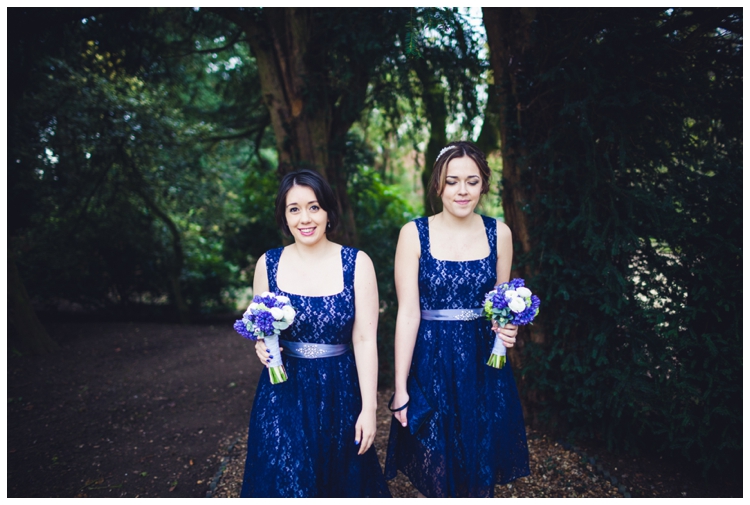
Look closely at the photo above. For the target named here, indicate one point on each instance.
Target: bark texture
(508, 35)
(509, 38)
(297, 50)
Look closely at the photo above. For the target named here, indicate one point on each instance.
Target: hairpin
(444, 150)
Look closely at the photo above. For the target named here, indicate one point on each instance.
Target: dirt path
(126, 409)
(149, 410)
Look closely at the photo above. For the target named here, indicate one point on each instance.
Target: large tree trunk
(26, 330)
(433, 97)
(508, 33)
(310, 116)
(508, 36)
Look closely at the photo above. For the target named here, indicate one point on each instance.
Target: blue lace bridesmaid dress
(475, 438)
(301, 434)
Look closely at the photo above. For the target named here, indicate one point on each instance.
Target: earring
(328, 226)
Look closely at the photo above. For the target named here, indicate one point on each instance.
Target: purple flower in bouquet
(510, 302)
(240, 328)
(264, 322)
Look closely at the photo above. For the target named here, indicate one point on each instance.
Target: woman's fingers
(401, 416)
(400, 399)
(366, 443)
(264, 355)
(508, 334)
(363, 439)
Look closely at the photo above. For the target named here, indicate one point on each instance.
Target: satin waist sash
(309, 350)
(452, 314)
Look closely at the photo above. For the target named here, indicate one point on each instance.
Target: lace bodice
(320, 319)
(455, 284)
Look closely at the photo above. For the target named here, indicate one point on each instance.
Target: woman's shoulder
(358, 255)
(411, 228)
(503, 230)
(498, 224)
(361, 257)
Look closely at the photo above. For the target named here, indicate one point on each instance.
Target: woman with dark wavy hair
(312, 435)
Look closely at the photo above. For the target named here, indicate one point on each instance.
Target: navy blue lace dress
(476, 437)
(301, 435)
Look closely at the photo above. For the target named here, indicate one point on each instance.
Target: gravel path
(161, 410)
(555, 471)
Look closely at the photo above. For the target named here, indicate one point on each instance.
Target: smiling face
(305, 217)
(463, 187)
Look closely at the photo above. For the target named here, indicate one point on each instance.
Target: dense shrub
(635, 184)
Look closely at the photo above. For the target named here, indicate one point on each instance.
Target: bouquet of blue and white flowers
(510, 302)
(264, 319)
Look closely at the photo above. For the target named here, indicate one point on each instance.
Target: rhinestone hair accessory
(445, 150)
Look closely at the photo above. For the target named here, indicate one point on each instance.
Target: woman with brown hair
(458, 428)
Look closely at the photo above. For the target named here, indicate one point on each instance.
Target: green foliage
(126, 170)
(427, 95)
(253, 230)
(636, 177)
(380, 212)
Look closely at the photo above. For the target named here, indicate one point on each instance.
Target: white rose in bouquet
(517, 305)
(277, 313)
(289, 313)
(523, 292)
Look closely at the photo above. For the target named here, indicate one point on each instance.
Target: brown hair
(458, 150)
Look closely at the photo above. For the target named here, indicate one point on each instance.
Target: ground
(161, 410)
(126, 409)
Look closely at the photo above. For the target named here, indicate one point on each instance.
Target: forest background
(145, 147)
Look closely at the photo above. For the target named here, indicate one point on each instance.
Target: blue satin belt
(452, 314)
(309, 350)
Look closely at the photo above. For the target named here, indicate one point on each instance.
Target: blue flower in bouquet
(264, 322)
(239, 327)
(267, 315)
(529, 313)
(265, 318)
(510, 302)
(267, 301)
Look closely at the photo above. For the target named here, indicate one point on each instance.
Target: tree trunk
(183, 313)
(433, 96)
(137, 184)
(26, 329)
(309, 115)
(508, 33)
(508, 36)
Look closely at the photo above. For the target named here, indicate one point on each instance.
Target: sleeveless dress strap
(272, 267)
(423, 229)
(490, 226)
(348, 262)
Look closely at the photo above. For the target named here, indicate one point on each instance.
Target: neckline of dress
(429, 245)
(278, 288)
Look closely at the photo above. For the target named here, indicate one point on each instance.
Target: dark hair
(323, 193)
(459, 150)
